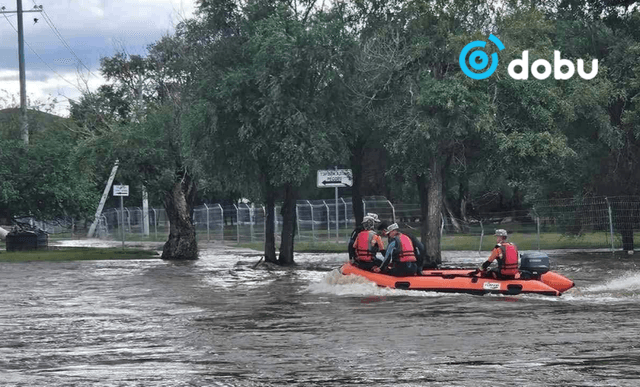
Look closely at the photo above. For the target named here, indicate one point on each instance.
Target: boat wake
(622, 288)
(336, 283)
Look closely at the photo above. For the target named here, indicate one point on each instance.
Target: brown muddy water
(220, 322)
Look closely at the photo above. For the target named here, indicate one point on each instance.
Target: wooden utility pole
(24, 126)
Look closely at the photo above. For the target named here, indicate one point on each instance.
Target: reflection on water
(221, 322)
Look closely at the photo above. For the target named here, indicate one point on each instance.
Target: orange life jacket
(406, 254)
(509, 261)
(364, 252)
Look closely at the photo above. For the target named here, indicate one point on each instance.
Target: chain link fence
(597, 222)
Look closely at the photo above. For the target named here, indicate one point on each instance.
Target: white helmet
(373, 216)
(392, 226)
(368, 223)
(501, 232)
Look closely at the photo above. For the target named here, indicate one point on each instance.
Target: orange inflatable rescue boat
(534, 277)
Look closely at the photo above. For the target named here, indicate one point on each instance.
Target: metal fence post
(481, 236)
(264, 224)
(237, 222)
(328, 219)
(207, 209)
(610, 222)
(537, 225)
(128, 220)
(346, 221)
(393, 211)
(251, 219)
(297, 220)
(313, 226)
(221, 223)
(155, 221)
(275, 219)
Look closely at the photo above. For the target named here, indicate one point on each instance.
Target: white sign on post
(120, 190)
(335, 178)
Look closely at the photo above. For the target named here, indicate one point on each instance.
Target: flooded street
(220, 322)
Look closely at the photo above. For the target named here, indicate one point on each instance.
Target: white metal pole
(337, 222)
(251, 219)
(610, 222)
(237, 222)
(221, 223)
(155, 221)
(145, 211)
(207, 209)
(393, 211)
(346, 224)
(313, 226)
(326, 206)
(481, 236)
(122, 219)
(105, 194)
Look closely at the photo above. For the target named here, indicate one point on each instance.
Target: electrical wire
(42, 60)
(48, 20)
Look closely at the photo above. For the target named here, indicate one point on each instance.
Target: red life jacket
(509, 261)
(363, 251)
(406, 254)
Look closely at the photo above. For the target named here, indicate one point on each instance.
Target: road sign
(330, 178)
(120, 190)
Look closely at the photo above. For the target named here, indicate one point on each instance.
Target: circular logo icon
(479, 60)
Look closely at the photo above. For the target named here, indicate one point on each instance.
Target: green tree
(43, 179)
(137, 120)
(264, 82)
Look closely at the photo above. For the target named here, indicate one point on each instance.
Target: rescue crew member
(507, 255)
(367, 243)
(400, 258)
(418, 248)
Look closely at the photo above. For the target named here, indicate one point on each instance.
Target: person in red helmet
(506, 254)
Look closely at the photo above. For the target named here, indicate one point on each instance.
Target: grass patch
(467, 242)
(77, 254)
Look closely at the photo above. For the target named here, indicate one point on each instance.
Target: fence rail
(586, 223)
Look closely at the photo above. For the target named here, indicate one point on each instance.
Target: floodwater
(219, 321)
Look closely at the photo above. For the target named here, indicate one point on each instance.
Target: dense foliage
(251, 98)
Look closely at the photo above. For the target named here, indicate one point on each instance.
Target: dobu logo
(479, 60)
(558, 64)
(540, 69)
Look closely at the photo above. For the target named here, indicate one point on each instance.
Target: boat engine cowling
(534, 263)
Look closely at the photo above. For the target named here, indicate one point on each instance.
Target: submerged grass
(77, 254)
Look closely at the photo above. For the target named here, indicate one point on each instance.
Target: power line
(42, 60)
(61, 38)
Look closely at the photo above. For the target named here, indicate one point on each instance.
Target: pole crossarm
(31, 10)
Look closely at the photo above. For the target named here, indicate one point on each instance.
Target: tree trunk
(288, 226)
(356, 195)
(434, 213)
(270, 237)
(178, 204)
(627, 236)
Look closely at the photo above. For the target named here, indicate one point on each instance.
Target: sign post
(335, 178)
(122, 191)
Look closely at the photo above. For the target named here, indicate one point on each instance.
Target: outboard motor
(533, 264)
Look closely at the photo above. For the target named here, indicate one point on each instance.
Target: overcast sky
(91, 29)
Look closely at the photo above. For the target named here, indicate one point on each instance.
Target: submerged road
(219, 322)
